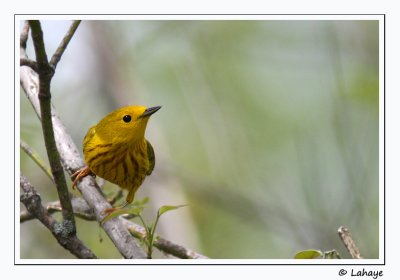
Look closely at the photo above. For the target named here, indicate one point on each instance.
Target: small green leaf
(331, 255)
(166, 208)
(309, 254)
(141, 202)
(116, 213)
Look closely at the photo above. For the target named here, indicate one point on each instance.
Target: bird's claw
(79, 174)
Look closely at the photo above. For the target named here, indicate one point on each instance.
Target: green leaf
(166, 208)
(131, 210)
(309, 254)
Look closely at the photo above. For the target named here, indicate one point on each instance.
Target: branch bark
(72, 161)
(61, 231)
(349, 243)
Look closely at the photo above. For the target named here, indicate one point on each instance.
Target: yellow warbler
(116, 150)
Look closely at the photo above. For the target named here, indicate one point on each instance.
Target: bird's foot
(79, 174)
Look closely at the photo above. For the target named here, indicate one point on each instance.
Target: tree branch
(24, 35)
(349, 243)
(64, 43)
(45, 75)
(82, 210)
(32, 201)
(72, 161)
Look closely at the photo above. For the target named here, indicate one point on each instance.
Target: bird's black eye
(127, 118)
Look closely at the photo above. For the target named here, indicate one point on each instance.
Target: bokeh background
(268, 130)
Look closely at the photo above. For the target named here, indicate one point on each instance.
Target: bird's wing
(89, 135)
(151, 157)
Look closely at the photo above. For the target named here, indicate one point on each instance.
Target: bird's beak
(150, 111)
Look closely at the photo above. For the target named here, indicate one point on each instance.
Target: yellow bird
(115, 149)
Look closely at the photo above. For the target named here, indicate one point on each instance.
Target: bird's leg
(79, 174)
(108, 211)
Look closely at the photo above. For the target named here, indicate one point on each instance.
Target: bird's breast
(123, 166)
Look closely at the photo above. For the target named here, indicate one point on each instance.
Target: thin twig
(64, 43)
(32, 201)
(30, 63)
(36, 158)
(117, 196)
(349, 243)
(81, 210)
(45, 74)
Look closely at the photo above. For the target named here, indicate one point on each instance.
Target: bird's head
(126, 124)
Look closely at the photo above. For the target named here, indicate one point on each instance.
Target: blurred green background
(268, 129)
